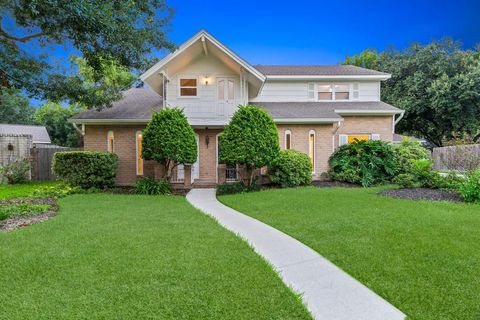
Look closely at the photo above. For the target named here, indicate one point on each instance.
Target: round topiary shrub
(292, 168)
(364, 162)
(86, 169)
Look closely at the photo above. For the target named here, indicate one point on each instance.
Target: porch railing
(231, 174)
(178, 174)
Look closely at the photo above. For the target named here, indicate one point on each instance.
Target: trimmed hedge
(292, 168)
(86, 169)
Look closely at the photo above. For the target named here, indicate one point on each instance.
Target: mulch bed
(334, 184)
(422, 194)
(26, 220)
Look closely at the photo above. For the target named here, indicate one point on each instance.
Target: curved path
(328, 292)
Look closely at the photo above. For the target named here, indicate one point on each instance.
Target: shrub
(86, 169)
(364, 162)
(15, 172)
(150, 186)
(409, 151)
(470, 189)
(169, 140)
(292, 168)
(22, 209)
(237, 187)
(406, 180)
(250, 139)
(58, 191)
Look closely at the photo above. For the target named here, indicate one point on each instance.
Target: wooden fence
(460, 158)
(41, 160)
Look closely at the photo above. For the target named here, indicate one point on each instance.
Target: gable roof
(317, 70)
(201, 36)
(137, 105)
(39, 133)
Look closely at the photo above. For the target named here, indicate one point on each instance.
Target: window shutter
(355, 91)
(311, 91)
(375, 136)
(342, 139)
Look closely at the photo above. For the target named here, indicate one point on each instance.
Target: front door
(225, 96)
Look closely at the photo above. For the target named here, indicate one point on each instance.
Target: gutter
(400, 117)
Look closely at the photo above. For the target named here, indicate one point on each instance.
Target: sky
(324, 32)
(318, 32)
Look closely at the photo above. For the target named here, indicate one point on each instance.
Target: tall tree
(122, 31)
(438, 86)
(15, 108)
(55, 118)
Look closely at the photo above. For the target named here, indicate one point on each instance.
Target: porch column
(187, 176)
(222, 173)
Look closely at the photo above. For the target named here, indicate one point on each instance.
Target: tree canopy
(14, 108)
(169, 139)
(438, 86)
(122, 33)
(250, 139)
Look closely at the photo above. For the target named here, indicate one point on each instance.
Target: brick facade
(125, 144)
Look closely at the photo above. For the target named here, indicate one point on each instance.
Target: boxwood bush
(364, 162)
(292, 168)
(86, 169)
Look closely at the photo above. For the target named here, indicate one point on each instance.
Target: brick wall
(208, 154)
(382, 125)
(124, 146)
(96, 139)
(300, 141)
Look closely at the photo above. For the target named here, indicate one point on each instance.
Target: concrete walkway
(328, 292)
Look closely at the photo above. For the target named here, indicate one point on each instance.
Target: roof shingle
(39, 133)
(318, 70)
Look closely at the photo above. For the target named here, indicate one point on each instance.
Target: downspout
(334, 132)
(81, 131)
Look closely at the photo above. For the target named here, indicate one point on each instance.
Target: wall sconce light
(206, 79)
(10, 147)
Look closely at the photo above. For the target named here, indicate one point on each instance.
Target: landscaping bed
(22, 212)
(422, 194)
(334, 184)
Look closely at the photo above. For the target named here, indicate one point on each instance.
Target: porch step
(204, 184)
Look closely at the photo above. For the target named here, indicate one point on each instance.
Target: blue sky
(323, 32)
(312, 32)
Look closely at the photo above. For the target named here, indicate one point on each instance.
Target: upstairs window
(334, 91)
(188, 87)
(342, 92)
(325, 92)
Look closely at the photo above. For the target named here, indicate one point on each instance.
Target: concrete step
(204, 184)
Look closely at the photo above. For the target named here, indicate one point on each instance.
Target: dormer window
(188, 87)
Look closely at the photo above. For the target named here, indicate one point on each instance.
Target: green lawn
(424, 257)
(136, 257)
(22, 190)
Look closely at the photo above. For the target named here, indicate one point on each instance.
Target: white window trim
(182, 77)
(137, 166)
(287, 132)
(110, 132)
(314, 151)
(332, 86)
(370, 137)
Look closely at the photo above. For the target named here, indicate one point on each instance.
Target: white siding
(289, 91)
(204, 105)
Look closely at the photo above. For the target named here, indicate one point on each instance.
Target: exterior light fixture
(206, 79)
(207, 138)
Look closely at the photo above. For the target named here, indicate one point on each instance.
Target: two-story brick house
(316, 108)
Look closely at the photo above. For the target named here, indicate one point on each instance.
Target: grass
(423, 257)
(22, 209)
(136, 257)
(22, 190)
